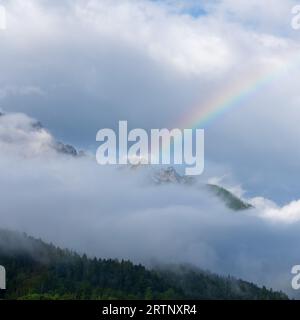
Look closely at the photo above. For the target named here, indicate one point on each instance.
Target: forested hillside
(36, 270)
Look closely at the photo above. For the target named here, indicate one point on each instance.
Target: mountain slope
(34, 138)
(230, 200)
(171, 176)
(36, 270)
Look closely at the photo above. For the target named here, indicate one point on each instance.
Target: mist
(117, 212)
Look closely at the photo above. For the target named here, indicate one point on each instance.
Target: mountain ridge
(169, 175)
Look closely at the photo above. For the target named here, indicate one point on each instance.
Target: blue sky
(191, 7)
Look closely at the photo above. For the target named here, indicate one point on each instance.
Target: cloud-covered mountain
(22, 134)
(171, 176)
(27, 136)
(71, 201)
(156, 63)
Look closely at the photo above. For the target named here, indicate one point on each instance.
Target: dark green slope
(231, 201)
(36, 270)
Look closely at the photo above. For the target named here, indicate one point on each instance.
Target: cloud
(267, 209)
(23, 135)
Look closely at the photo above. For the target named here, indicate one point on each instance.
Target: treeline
(36, 270)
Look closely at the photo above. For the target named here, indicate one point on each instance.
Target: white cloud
(18, 133)
(164, 36)
(289, 213)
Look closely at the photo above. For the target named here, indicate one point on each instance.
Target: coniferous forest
(36, 270)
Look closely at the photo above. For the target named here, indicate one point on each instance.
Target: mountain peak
(170, 175)
(231, 200)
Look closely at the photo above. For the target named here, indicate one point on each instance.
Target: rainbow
(232, 95)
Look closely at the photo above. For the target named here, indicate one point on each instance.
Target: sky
(79, 66)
